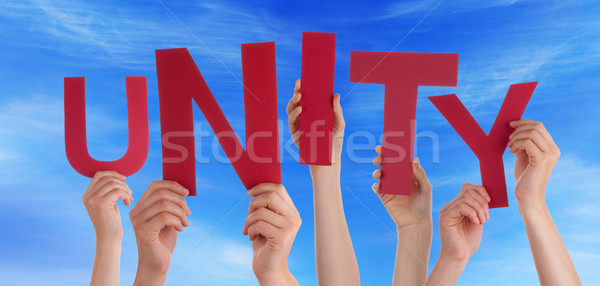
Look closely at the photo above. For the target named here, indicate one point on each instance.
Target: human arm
(272, 224)
(106, 188)
(536, 155)
(160, 213)
(412, 216)
(335, 259)
(461, 228)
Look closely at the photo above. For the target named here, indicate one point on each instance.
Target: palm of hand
(529, 174)
(464, 238)
(162, 244)
(407, 210)
(263, 254)
(110, 219)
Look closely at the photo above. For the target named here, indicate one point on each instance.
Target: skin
(335, 259)
(160, 213)
(100, 202)
(272, 224)
(536, 155)
(461, 227)
(412, 215)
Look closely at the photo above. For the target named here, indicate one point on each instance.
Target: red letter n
(180, 82)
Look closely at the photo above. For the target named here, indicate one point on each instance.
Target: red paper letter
(318, 69)
(402, 74)
(75, 129)
(488, 148)
(180, 82)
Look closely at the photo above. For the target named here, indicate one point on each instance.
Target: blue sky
(47, 238)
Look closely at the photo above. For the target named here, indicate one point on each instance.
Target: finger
(338, 115)
(542, 129)
(265, 229)
(293, 119)
(469, 212)
(111, 184)
(294, 102)
(377, 174)
(377, 161)
(108, 184)
(99, 181)
(419, 175)
(485, 199)
(532, 134)
(271, 201)
(158, 185)
(100, 174)
(164, 220)
(528, 146)
(517, 123)
(164, 206)
(476, 201)
(378, 149)
(271, 187)
(266, 215)
(481, 191)
(159, 195)
(117, 194)
(295, 135)
(297, 86)
(375, 187)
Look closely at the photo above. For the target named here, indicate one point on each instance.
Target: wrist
(329, 171)
(108, 242)
(457, 262)
(282, 277)
(419, 223)
(531, 204)
(148, 275)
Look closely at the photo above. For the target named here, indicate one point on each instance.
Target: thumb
(338, 116)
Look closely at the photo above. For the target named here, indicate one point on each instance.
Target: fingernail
(477, 221)
(251, 191)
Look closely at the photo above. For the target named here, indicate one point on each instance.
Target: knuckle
(163, 204)
(271, 196)
(164, 216)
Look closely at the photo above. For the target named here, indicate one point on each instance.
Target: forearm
(412, 254)
(446, 272)
(106, 269)
(335, 258)
(552, 260)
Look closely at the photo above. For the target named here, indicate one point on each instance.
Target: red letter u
(75, 129)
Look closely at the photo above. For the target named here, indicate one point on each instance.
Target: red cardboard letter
(318, 69)
(402, 74)
(75, 129)
(488, 148)
(180, 82)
